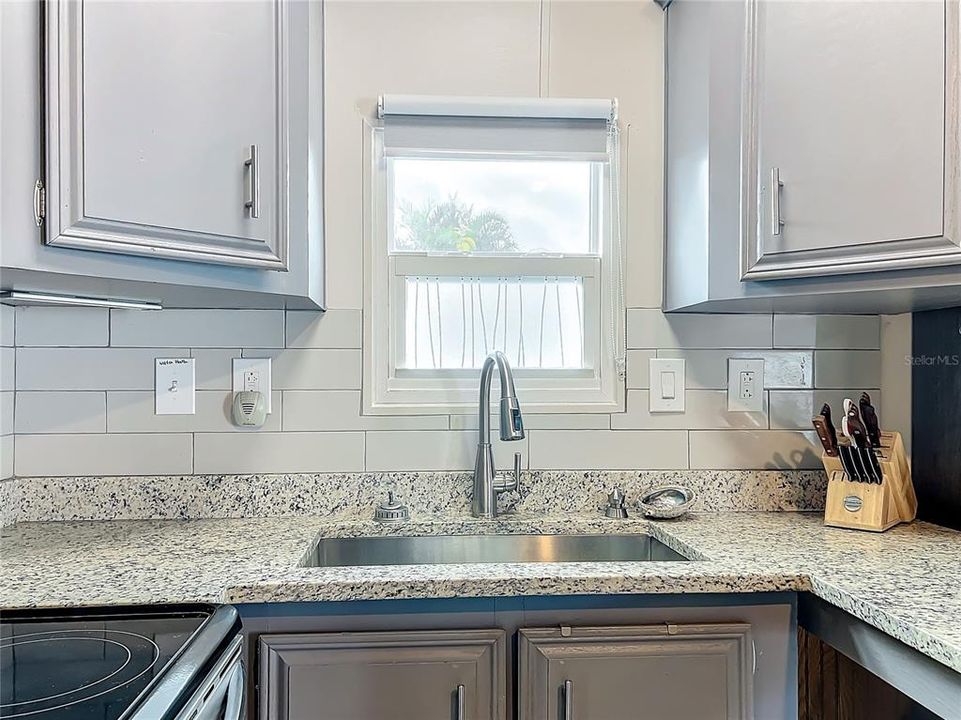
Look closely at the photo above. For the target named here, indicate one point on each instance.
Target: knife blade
(870, 417)
(827, 441)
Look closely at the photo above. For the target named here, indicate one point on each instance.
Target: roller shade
(421, 124)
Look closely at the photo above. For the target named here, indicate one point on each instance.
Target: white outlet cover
(752, 397)
(243, 367)
(174, 386)
(667, 384)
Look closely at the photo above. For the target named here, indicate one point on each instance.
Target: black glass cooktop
(87, 667)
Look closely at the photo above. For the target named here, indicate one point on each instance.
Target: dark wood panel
(833, 687)
(936, 415)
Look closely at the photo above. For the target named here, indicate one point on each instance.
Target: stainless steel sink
(450, 549)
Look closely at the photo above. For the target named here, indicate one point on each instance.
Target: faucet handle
(615, 503)
(504, 485)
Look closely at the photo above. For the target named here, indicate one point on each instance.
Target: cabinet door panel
(850, 102)
(658, 672)
(152, 108)
(167, 129)
(384, 675)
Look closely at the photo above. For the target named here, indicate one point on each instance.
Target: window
(493, 232)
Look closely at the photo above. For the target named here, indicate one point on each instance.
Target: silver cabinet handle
(252, 202)
(776, 222)
(568, 700)
(461, 703)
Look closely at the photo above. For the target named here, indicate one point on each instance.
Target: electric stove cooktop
(86, 666)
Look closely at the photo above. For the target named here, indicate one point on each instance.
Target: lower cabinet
(649, 672)
(397, 675)
(625, 672)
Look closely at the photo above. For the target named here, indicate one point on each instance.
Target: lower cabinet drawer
(644, 672)
(402, 675)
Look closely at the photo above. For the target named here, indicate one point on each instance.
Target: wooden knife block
(869, 506)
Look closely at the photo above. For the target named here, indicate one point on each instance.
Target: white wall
(84, 377)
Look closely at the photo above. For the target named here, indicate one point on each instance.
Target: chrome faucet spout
(486, 485)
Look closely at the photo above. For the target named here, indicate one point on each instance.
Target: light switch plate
(745, 385)
(667, 384)
(174, 386)
(252, 374)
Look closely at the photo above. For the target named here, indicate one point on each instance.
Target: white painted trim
(389, 390)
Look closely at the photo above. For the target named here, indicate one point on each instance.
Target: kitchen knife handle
(828, 440)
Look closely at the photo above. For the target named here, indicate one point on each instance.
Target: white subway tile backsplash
(7, 368)
(707, 369)
(608, 449)
(81, 407)
(331, 329)
(125, 454)
(540, 421)
(846, 332)
(61, 412)
(654, 329)
(638, 361)
(214, 368)
(197, 328)
(285, 452)
(7, 313)
(89, 368)
(704, 409)
(847, 369)
(793, 409)
(6, 412)
(341, 410)
(134, 412)
(418, 450)
(62, 327)
(6, 456)
(754, 450)
(313, 369)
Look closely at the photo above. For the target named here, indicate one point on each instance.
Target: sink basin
(455, 549)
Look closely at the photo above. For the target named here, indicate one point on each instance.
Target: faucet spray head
(512, 424)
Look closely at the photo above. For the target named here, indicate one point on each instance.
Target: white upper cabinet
(166, 129)
(846, 106)
(179, 145)
(813, 155)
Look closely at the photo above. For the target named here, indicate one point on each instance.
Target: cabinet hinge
(39, 202)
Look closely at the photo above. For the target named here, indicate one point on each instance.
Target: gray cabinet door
(167, 129)
(413, 675)
(649, 672)
(853, 108)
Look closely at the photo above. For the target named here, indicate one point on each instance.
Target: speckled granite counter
(907, 582)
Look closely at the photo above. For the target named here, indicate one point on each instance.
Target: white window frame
(389, 390)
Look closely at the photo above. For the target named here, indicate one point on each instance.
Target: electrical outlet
(745, 385)
(252, 375)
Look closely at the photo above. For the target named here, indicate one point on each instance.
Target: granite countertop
(906, 582)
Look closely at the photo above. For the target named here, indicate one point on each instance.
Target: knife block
(869, 506)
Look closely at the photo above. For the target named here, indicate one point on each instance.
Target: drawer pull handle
(776, 184)
(568, 700)
(252, 202)
(461, 703)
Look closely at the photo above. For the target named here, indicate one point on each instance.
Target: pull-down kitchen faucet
(487, 483)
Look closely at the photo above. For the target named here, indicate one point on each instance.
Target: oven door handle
(236, 703)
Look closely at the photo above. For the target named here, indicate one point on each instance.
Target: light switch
(174, 386)
(667, 384)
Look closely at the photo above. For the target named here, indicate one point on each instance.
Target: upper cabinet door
(850, 147)
(166, 129)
